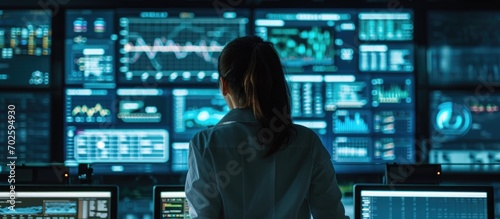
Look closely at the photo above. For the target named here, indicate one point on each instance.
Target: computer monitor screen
(25, 37)
(175, 46)
(170, 202)
(26, 126)
(464, 130)
(351, 79)
(193, 110)
(122, 130)
(463, 51)
(90, 48)
(422, 201)
(140, 83)
(34, 201)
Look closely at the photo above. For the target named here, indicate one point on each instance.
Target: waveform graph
(392, 91)
(89, 106)
(174, 49)
(351, 149)
(303, 45)
(394, 122)
(351, 122)
(121, 146)
(345, 95)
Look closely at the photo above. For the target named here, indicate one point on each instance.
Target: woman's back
(255, 163)
(242, 184)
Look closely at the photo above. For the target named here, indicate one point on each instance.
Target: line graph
(202, 48)
(89, 109)
(186, 49)
(391, 92)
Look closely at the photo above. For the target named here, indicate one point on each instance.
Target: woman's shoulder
(304, 131)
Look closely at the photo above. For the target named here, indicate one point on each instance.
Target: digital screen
(463, 51)
(25, 37)
(173, 205)
(180, 155)
(58, 204)
(90, 48)
(327, 42)
(195, 110)
(174, 46)
(115, 129)
(464, 128)
(141, 83)
(30, 125)
(351, 80)
(406, 204)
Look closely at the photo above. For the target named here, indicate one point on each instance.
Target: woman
(255, 163)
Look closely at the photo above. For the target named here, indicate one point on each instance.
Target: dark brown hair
(254, 73)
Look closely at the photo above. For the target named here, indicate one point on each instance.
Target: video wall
(138, 84)
(464, 53)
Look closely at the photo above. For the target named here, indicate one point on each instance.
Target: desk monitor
(56, 201)
(170, 202)
(422, 201)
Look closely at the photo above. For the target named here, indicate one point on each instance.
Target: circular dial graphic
(452, 120)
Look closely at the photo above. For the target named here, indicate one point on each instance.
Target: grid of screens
(25, 37)
(25, 125)
(464, 129)
(140, 84)
(374, 202)
(58, 202)
(351, 76)
(463, 51)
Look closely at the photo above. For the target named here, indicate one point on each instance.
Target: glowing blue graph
(343, 122)
(351, 149)
(202, 48)
(177, 49)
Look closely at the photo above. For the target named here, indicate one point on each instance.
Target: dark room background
(123, 85)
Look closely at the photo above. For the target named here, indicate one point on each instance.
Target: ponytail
(254, 72)
(266, 91)
(258, 83)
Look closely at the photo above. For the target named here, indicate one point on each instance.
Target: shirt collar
(238, 115)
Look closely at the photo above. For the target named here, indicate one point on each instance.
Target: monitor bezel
(72, 188)
(418, 187)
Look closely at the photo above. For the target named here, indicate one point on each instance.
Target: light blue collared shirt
(229, 178)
